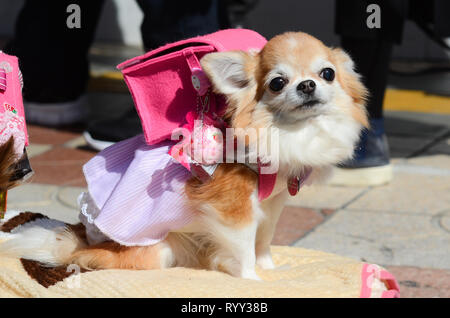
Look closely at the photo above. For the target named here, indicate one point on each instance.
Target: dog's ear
(229, 72)
(344, 59)
(352, 84)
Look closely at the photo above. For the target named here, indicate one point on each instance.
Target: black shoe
(104, 133)
(370, 164)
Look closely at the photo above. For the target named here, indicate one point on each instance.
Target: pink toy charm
(207, 142)
(202, 141)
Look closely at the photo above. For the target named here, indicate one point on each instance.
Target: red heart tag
(293, 184)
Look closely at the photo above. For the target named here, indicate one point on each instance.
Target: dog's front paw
(265, 261)
(250, 274)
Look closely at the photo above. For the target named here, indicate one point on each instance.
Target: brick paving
(418, 282)
(296, 222)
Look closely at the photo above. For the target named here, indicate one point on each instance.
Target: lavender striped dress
(136, 194)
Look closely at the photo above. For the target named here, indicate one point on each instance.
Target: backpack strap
(2, 79)
(198, 77)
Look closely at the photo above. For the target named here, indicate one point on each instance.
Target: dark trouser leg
(167, 21)
(372, 59)
(54, 58)
(234, 12)
(371, 50)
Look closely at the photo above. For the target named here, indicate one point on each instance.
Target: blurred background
(402, 224)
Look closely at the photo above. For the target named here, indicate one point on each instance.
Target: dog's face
(302, 79)
(295, 83)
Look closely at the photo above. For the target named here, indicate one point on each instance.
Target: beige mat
(299, 273)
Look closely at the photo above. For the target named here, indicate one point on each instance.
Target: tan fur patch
(228, 192)
(113, 255)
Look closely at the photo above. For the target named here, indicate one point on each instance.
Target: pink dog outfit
(136, 187)
(12, 118)
(12, 115)
(135, 193)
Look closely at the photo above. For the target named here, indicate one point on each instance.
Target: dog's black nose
(307, 86)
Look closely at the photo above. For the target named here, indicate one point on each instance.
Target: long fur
(46, 240)
(7, 163)
(233, 230)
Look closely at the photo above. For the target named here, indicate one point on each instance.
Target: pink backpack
(12, 115)
(166, 83)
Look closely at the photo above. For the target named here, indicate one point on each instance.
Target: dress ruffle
(137, 193)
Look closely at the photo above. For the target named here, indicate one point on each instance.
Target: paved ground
(404, 226)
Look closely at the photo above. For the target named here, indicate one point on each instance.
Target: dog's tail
(44, 240)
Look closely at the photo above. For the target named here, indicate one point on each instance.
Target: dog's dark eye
(327, 74)
(277, 84)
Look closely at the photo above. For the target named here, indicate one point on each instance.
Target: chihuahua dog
(310, 93)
